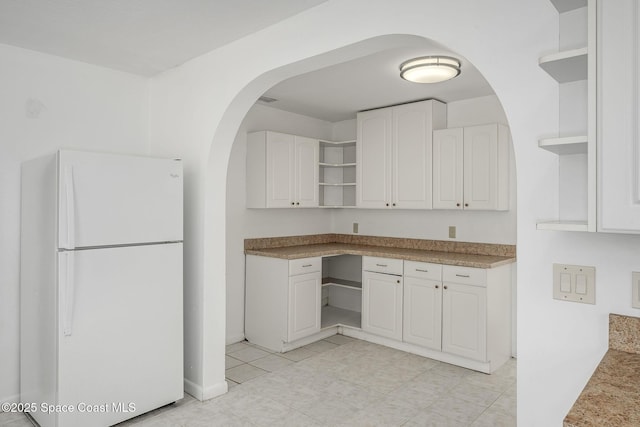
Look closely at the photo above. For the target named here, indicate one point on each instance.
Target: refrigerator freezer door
(121, 355)
(107, 199)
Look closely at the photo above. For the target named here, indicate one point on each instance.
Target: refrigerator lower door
(107, 199)
(120, 332)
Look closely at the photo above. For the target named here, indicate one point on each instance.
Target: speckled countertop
(612, 395)
(439, 252)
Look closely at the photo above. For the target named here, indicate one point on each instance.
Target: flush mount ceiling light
(430, 69)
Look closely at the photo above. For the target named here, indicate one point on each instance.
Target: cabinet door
(464, 327)
(618, 111)
(422, 323)
(480, 167)
(382, 304)
(280, 170)
(306, 167)
(412, 151)
(373, 159)
(448, 168)
(304, 305)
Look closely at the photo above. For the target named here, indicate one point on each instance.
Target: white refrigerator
(101, 287)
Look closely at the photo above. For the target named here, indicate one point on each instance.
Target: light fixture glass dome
(430, 69)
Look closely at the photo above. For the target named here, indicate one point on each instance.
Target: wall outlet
(452, 231)
(635, 286)
(575, 283)
(355, 228)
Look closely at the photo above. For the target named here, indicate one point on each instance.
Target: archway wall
(196, 110)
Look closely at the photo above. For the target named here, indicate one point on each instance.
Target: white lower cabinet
(304, 305)
(464, 320)
(382, 304)
(283, 300)
(422, 313)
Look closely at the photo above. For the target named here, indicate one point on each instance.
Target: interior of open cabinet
(574, 68)
(341, 291)
(337, 174)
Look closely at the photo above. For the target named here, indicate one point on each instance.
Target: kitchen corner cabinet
(283, 300)
(282, 170)
(618, 112)
(394, 155)
(382, 297)
(471, 168)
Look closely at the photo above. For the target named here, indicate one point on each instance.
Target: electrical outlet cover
(635, 285)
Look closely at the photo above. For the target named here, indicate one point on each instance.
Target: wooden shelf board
(565, 145)
(567, 5)
(348, 143)
(332, 281)
(334, 316)
(563, 225)
(342, 184)
(336, 165)
(566, 66)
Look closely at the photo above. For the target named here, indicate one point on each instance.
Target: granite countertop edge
(446, 258)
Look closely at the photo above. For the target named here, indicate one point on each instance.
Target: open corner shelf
(567, 5)
(563, 225)
(565, 145)
(566, 66)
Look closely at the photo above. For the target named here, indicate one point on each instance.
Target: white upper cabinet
(394, 155)
(618, 112)
(282, 170)
(471, 168)
(448, 174)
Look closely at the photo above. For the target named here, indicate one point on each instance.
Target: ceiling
(336, 93)
(146, 37)
(138, 36)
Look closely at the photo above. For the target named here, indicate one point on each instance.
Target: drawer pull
(423, 271)
(462, 275)
(307, 265)
(382, 265)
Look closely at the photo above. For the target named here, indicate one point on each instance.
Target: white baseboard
(215, 390)
(10, 399)
(234, 339)
(201, 394)
(193, 389)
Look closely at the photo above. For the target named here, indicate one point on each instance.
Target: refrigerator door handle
(71, 207)
(69, 289)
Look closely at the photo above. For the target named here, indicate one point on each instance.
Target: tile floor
(340, 381)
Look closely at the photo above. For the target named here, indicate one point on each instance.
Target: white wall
(49, 103)
(197, 109)
(471, 226)
(245, 223)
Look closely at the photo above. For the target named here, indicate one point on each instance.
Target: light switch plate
(581, 286)
(635, 285)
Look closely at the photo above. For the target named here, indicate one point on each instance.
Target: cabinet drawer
(423, 270)
(382, 265)
(305, 265)
(464, 275)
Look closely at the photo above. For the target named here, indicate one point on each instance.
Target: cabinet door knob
(394, 204)
(292, 204)
(437, 287)
(398, 281)
(444, 287)
(458, 204)
(387, 204)
(466, 204)
(297, 203)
